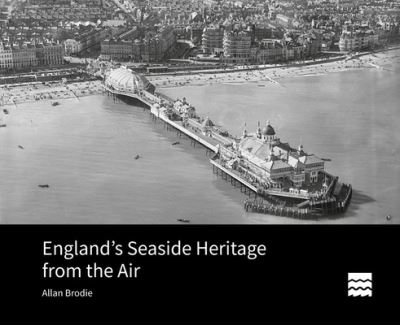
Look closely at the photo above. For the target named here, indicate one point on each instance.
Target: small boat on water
(21, 147)
(55, 103)
(5, 111)
(183, 220)
(43, 185)
(137, 157)
(175, 143)
(3, 125)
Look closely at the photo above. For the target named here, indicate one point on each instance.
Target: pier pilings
(308, 210)
(234, 179)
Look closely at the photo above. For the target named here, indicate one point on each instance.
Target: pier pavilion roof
(310, 159)
(259, 152)
(283, 146)
(256, 147)
(304, 160)
(277, 165)
(126, 80)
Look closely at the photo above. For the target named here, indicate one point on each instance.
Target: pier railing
(160, 113)
(247, 179)
(280, 192)
(233, 175)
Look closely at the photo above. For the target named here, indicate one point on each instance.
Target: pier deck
(217, 144)
(160, 114)
(234, 176)
(150, 100)
(210, 143)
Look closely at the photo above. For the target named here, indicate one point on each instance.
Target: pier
(214, 143)
(154, 103)
(234, 179)
(263, 196)
(159, 113)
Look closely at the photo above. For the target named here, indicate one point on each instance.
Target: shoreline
(272, 75)
(16, 94)
(50, 91)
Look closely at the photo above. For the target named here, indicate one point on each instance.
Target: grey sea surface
(352, 118)
(85, 150)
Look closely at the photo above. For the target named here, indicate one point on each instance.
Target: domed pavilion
(126, 80)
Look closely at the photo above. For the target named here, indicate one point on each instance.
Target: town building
(112, 49)
(6, 58)
(20, 57)
(358, 40)
(72, 46)
(196, 33)
(260, 32)
(270, 51)
(153, 47)
(284, 20)
(49, 54)
(312, 44)
(237, 47)
(294, 51)
(212, 40)
(86, 40)
(24, 57)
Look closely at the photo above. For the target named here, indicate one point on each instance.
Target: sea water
(85, 150)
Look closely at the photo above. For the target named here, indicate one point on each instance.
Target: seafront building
(269, 51)
(49, 54)
(358, 40)
(20, 57)
(24, 56)
(6, 58)
(196, 33)
(212, 40)
(237, 47)
(312, 44)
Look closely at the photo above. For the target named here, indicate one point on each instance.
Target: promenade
(272, 74)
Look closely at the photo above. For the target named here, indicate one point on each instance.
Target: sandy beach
(272, 74)
(15, 94)
(53, 92)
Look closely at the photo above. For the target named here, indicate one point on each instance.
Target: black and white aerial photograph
(199, 112)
